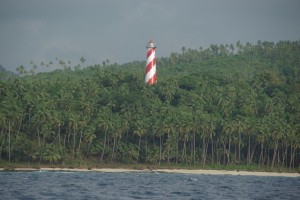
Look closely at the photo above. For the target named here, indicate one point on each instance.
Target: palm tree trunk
(19, 128)
(65, 139)
(203, 151)
(168, 149)
(212, 150)
(126, 140)
(274, 154)
(159, 149)
(59, 143)
(218, 157)
(249, 149)
(239, 161)
(177, 141)
(291, 156)
(224, 152)
(194, 148)
(74, 139)
(284, 156)
(261, 153)
(292, 160)
(228, 155)
(146, 148)
(235, 154)
(40, 146)
(278, 156)
(69, 133)
(2, 144)
(113, 150)
(252, 154)
(140, 138)
(104, 146)
(184, 150)
(79, 145)
(9, 154)
(153, 141)
(268, 156)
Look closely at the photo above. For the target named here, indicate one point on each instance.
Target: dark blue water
(99, 185)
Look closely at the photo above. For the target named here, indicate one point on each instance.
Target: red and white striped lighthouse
(150, 76)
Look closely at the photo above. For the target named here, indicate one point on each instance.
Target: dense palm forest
(224, 105)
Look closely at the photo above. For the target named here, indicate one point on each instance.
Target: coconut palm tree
(239, 128)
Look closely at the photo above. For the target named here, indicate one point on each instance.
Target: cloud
(120, 30)
(60, 45)
(33, 26)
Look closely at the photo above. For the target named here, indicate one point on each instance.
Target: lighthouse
(150, 77)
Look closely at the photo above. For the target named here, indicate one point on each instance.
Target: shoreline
(177, 171)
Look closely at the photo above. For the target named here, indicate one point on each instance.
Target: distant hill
(225, 105)
(2, 68)
(4, 71)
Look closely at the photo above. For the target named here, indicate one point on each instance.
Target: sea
(143, 185)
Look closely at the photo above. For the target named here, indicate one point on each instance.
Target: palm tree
(231, 49)
(52, 154)
(140, 131)
(104, 123)
(10, 117)
(117, 131)
(214, 49)
(82, 126)
(21, 70)
(89, 137)
(277, 135)
(168, 129)
(239, 128)
(2, 136)
(294, 145)
(207, 128)
(262, 138)
(251, 129)
(228, 129)
(73, 123)
(58, 122)
(239, 46)
(158, 131)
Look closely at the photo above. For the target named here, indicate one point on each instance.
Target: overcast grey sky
(43, 30)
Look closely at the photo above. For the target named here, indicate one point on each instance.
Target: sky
(119, 30)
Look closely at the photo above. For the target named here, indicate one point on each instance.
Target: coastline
(181, 171)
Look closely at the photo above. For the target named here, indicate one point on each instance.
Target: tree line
(226, 104)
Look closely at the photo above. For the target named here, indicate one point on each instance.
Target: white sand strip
(225, 172)
(183, 171)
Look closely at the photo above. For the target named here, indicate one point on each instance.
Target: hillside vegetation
(226, 105)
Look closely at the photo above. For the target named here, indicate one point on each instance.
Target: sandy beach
(182, 171)
(225, 172)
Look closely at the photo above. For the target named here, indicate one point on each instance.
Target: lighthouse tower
(150, 76)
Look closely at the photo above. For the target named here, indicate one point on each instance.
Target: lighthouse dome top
(151, 44)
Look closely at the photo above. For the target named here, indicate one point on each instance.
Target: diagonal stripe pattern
(150, 77)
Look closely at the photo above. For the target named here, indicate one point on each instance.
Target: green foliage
(51, 154)
(220, 106)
